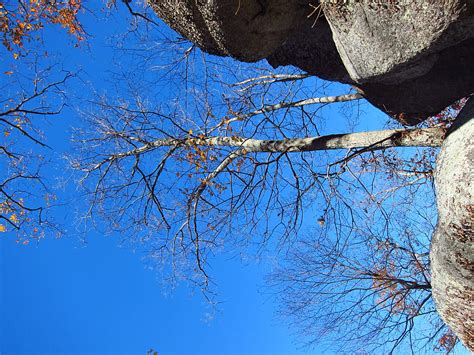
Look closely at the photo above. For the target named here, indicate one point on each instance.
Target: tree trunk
(452, 251)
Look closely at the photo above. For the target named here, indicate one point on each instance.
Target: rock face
(246, 30)
(411, 59)
(393, 41)
(452, 246)
(450, 78)
(311, 48)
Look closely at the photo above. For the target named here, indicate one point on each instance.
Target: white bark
(292, 104)
(422, 137)
(452, 250)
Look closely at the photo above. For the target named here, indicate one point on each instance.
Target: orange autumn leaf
(19, 22)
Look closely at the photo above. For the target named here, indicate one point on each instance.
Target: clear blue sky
(65, 297)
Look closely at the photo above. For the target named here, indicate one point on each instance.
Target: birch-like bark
(422, 137)
(292, 104)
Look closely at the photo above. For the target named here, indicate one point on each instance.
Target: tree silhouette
(203, 173)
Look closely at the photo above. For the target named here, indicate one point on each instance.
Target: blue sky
(64, 296)
(61, 297)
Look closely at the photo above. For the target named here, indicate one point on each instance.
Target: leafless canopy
(242, 157)
(27, 100)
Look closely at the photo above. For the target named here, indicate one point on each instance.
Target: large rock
(452, 246)
(450, 78)
(390, 42)
(246, 30)
(311, 48)
(409, 58)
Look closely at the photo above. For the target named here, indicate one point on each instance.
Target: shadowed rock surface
(410, 58)
(246, 30)
(450, 78)
(393, 41)
(316, 53)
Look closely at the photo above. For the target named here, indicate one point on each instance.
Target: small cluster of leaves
(392, 284)
(447, 341)
(18, 23)
(198, 156)
(8, 212)
(446, 117)
(14, 215)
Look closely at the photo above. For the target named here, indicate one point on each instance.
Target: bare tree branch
(284, 105)
(423, 137)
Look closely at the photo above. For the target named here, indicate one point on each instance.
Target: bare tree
(27, 102)
(227, 166)
(362, 279)
(32, 91)
(251, 165)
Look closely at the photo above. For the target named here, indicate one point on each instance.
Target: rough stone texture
(452, 246)
(185, 18)
(409, 58)
(390, 42)
(451, 78)
(312, 49)
(246, 30)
